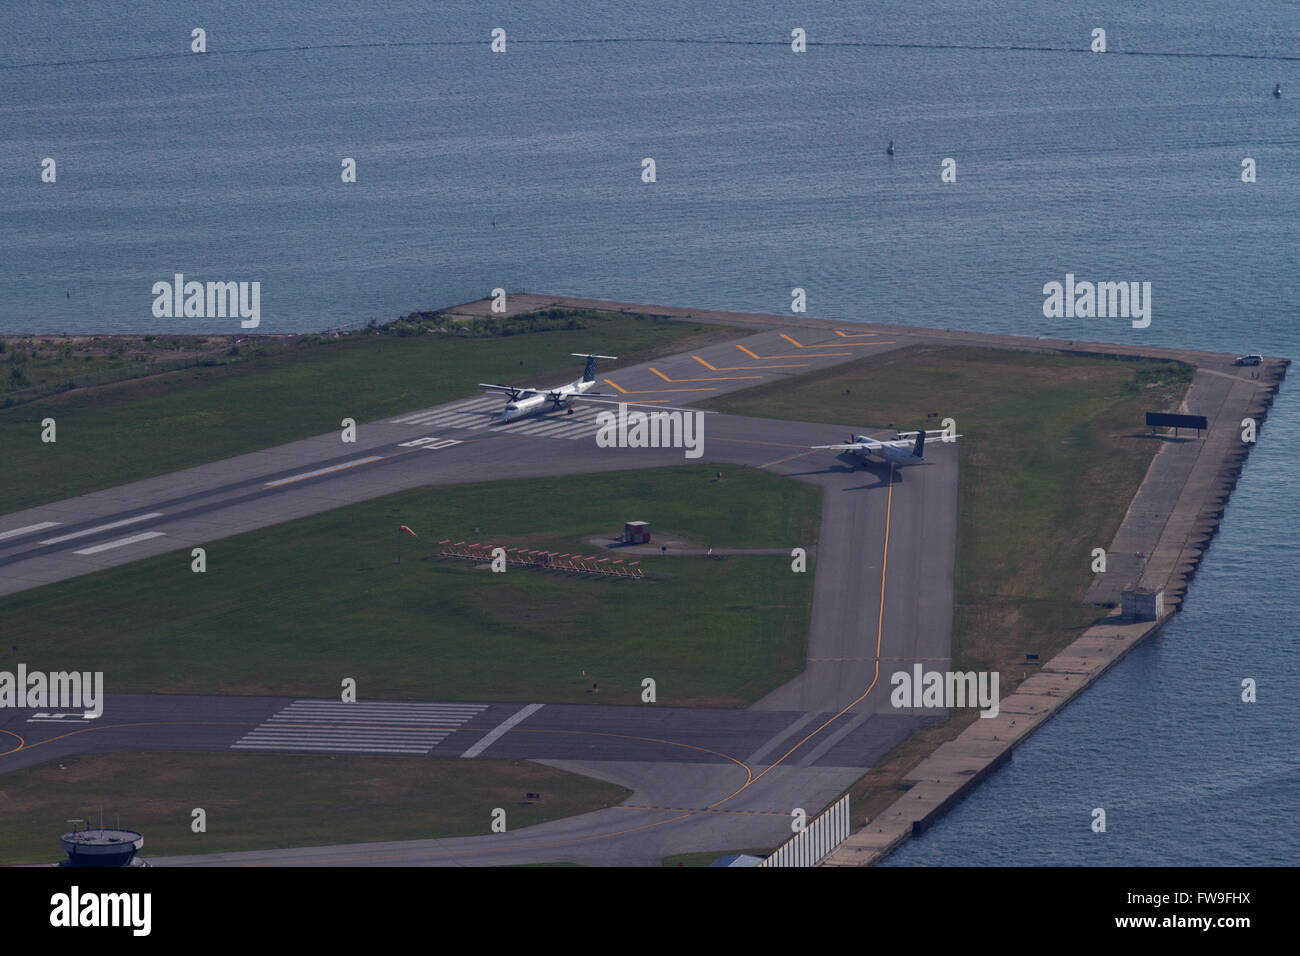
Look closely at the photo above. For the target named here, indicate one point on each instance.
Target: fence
(548, 560)
(812, 844)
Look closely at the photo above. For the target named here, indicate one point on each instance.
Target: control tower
(100, 847)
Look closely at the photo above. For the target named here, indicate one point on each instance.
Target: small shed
(636, 532)
(1143, 604)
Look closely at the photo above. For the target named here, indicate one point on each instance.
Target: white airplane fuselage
(873, 450)
(536, 403)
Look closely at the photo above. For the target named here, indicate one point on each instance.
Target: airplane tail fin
(918, 451)
(589, 373)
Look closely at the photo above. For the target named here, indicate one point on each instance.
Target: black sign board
(1169, 420)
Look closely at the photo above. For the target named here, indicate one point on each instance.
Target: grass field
(274, 390)
(293, 609)
(1054, 451)
(266, 801)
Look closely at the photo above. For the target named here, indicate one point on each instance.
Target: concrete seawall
(1174, 515)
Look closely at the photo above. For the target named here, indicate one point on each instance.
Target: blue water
(771, 174)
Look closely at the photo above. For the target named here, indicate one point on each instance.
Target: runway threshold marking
(28, 530)
(500, 730)
(103, 527)
(122, 542)
(323, 471)
(880, 631)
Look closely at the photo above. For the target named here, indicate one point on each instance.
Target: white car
(1249, 360)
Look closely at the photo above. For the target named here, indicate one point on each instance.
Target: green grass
(1054, 451)
(268, 801)
(294, 609)
(279, 390)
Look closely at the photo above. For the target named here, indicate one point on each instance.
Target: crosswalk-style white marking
(477, 412)
(122, 542)
(396, 727)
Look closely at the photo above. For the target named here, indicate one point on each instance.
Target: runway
(703, 779)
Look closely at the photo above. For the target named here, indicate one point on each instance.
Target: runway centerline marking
(28, 530)
(500, 730)
(103, 527)
(122, 542)
(323, 471)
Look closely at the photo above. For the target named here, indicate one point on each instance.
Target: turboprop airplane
(535, 401)
(531, 401)
(909, 449)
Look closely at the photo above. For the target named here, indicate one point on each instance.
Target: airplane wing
(514, 390)
(853, 446)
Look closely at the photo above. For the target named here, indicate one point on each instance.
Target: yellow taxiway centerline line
(880, 631)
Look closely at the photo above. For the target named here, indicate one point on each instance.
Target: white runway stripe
(461, 421)
(122, 542)
(370, 727)
(28, 530)
(333, 748)
(500, 730)
(102, 527)
(323, 471)
(529, 428)
(582, 428)
(425, 414)
(393, 706)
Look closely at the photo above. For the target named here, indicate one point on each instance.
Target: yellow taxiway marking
(787, 458)
(855, 335)
(726, 378)
(742, 368)
(833, 345)
(764, 358)
(655, 391)
(880, 633)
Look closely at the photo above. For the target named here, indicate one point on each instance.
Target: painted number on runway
(76, 716)
(429, 444)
